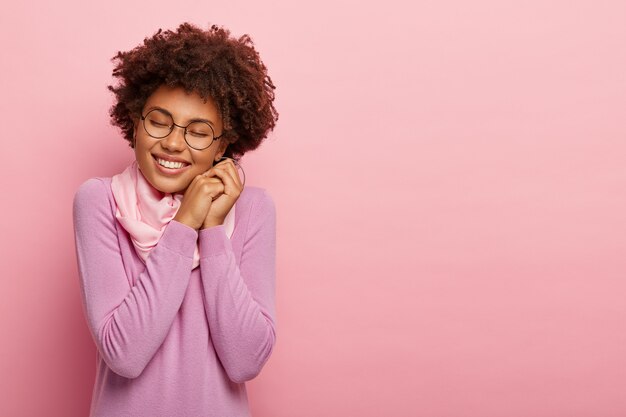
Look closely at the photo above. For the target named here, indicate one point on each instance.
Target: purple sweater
(172, 340)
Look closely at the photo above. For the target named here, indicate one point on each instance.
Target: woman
(176, 258)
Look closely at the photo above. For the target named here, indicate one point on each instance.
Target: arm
(239, 301)
(128, 324)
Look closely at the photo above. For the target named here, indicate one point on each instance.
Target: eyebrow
(197, 119)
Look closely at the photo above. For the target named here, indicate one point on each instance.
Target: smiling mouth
(169, 164)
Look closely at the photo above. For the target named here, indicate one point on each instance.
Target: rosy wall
(449, 179)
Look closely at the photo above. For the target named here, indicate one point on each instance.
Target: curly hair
(210, 63)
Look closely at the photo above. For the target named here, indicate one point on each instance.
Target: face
(184, 108)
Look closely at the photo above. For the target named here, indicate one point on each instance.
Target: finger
(229, 165)
(223, 173)
(230, 186)
(234, 173)
(193, 184)
(215, 186)
(226, 166)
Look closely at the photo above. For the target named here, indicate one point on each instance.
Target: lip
(169, 158)
(169, 171)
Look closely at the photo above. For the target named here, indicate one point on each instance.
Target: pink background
(449, 181)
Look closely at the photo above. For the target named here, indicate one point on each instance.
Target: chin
(174, 190)
(164, 184)
(164, 187)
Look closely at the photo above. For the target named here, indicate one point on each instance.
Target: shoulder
(257, 200)
(93, 193)
(256, 209)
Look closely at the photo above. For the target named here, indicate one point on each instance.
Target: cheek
(203, 161)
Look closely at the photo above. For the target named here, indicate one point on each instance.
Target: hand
(197, 200)
(225, 172)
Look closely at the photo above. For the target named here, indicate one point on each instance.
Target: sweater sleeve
(239, 300)
(128, 323)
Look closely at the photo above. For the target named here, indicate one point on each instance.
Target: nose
(175, 141)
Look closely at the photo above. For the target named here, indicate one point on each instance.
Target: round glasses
(199, 135)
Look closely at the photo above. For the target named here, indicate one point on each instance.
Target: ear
(221, 150)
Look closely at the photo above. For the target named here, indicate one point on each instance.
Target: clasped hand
(210, 196)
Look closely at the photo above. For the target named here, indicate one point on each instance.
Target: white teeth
(170, 164)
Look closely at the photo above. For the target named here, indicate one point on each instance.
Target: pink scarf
(145, 211)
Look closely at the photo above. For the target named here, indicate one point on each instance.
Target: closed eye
(199, 134)
(157, 124)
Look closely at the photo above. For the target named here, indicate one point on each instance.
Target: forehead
(183, 105)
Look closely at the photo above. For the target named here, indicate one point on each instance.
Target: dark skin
(200, 207)
(209, 191)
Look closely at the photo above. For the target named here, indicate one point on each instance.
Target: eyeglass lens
(159, 124)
